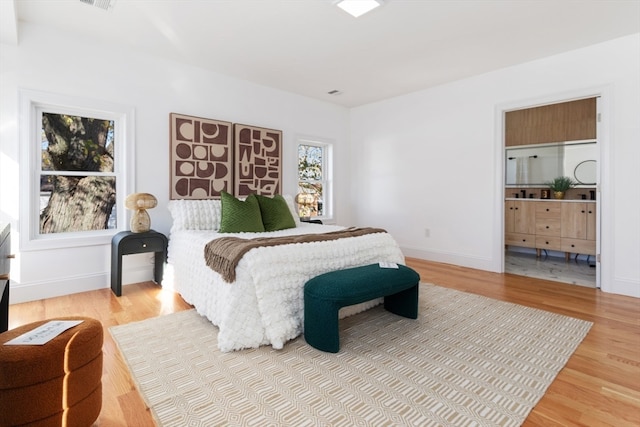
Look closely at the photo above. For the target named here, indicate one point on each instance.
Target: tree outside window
(76, 168)
(312, 180)
(77, 179)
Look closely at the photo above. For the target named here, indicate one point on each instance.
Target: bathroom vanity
(567, 226)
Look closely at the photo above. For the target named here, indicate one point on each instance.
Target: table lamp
(139, 202)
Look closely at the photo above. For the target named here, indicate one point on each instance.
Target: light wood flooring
(600, 385)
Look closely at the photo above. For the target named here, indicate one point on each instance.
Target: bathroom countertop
(550, 200)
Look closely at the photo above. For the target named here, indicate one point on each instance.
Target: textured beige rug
(466, 361)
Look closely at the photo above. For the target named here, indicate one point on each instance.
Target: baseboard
(619, 286)
(33, 291)
(622, 286)
(479, 263)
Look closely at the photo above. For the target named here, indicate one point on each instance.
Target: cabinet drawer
(141, 245)
(549, 243)
(579, 246)
(548, 227)
(519, 239)
(548, 210)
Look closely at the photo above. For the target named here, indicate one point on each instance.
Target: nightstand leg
(158, 270)
(116, 271)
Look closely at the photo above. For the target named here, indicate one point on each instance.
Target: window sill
(67, 240)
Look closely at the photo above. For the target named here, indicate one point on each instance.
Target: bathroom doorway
(545, 248)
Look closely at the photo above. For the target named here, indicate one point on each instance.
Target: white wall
(433, 159)
(56, 63)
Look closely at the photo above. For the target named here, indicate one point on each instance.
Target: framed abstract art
(201, 157)
(257, 160)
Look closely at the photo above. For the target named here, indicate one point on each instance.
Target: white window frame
(327, 173)
(32, 104)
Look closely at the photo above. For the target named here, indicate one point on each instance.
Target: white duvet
(264, 306)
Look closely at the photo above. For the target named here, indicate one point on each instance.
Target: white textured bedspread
(265, 303)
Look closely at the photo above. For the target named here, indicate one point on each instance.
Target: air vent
(102, 4)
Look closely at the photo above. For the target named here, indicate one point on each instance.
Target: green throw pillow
(275, 213)
(240, 216)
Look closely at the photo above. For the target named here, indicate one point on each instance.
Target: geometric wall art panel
(201, 157)
(258, 160)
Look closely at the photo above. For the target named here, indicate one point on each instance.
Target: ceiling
(311, 47)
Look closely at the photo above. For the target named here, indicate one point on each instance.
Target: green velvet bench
(324, 295)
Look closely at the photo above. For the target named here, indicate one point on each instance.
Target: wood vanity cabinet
(579, 228)
(565, 226)
(520, 223)
(548, 222)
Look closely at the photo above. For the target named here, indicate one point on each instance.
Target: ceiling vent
(102, 4)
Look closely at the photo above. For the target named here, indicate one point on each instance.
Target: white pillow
(195, 214)
(205, 214)
(292, 207)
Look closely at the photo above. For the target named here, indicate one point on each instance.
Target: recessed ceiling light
(102, 4)
(358, 7)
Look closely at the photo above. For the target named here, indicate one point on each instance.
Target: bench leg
(321, 328)
(404, 303)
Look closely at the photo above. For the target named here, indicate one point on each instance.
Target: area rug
(467, 360)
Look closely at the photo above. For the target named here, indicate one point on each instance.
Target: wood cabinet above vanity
(565, 121)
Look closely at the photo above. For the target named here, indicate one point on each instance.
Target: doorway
(547, 240)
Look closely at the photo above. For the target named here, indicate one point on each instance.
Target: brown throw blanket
(222, 255)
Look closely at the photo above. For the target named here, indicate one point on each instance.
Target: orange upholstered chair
(55, 384)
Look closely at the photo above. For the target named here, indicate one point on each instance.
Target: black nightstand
(5, 257)
(312, 221)
(127, 243)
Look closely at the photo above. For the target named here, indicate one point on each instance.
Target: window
(76, 159)
(314, 179)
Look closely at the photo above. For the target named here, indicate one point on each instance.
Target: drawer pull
(11, 256)
(547, 226)
(573, 246)
(144, 245)
(4, 277)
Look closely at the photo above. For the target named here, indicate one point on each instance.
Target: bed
(264, 304)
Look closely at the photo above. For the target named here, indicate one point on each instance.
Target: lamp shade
(305, 199)
(307, 203)
(139, 202)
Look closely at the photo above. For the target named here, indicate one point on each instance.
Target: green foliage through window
(311, 176)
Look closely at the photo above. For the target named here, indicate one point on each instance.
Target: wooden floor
(600, 386)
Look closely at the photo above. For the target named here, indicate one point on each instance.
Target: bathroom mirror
(585, 172)
(535, 165)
